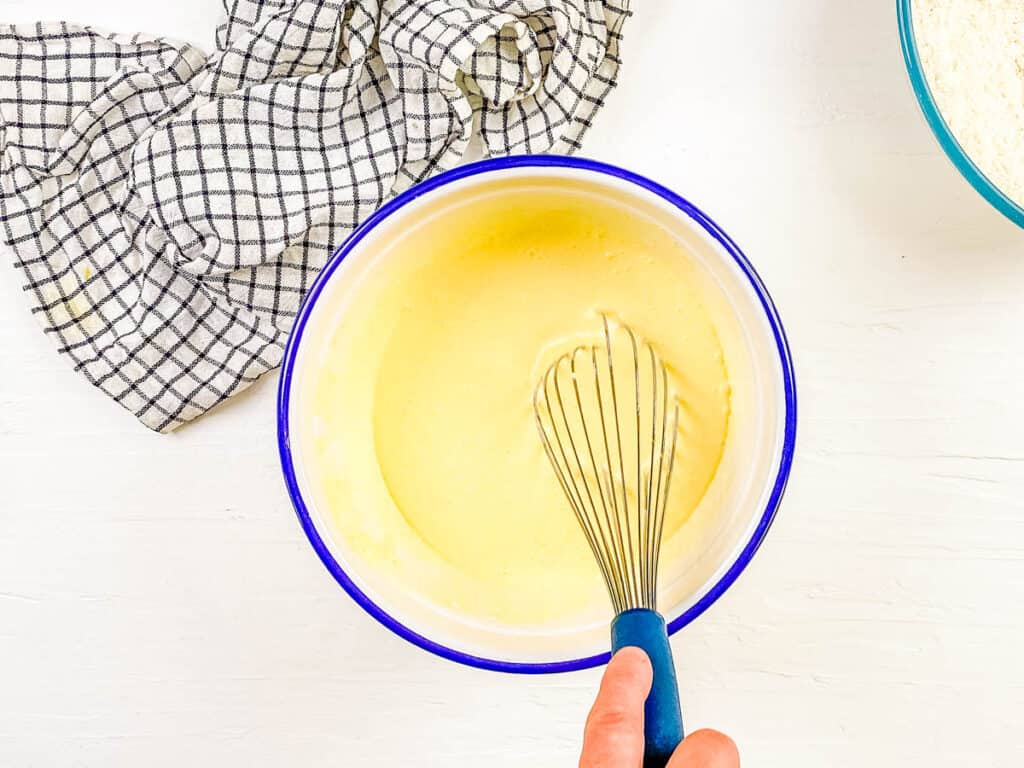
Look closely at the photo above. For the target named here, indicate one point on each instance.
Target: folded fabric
(169, 209)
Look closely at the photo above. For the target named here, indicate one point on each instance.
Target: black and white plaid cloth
(169, 209)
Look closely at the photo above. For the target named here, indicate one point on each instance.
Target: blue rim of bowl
(960, 159)
(474, 169)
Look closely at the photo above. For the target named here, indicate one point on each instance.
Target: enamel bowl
(743, 496)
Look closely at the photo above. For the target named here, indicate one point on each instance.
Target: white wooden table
(159, 605)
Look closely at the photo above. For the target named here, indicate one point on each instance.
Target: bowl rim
(741, 560)
(942, 132)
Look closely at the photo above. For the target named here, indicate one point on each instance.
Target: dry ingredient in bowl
(972, 52)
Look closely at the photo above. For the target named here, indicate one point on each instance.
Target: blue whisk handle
(663, 720)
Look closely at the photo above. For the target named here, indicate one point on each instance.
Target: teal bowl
(949, 144)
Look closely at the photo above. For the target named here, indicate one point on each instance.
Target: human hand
(614, 734)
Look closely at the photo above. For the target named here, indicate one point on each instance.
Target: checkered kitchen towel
(169, 209)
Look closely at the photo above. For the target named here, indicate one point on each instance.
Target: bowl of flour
(966, 64)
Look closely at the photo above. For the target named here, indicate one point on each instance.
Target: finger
(614, 734)
(706, 749)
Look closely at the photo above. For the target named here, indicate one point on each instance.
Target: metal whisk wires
(603, 413)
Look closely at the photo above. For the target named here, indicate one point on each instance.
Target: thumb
(614, 734)
(706, 749)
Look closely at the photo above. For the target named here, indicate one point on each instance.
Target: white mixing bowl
(743, 497)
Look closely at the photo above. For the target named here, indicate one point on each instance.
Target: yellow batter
(416, 419)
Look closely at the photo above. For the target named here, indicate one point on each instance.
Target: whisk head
(608, 420)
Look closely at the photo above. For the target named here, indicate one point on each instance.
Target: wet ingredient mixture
(418, 433)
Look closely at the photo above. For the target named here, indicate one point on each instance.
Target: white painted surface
(159, 605)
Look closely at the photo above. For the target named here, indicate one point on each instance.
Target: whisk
(608, 420)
